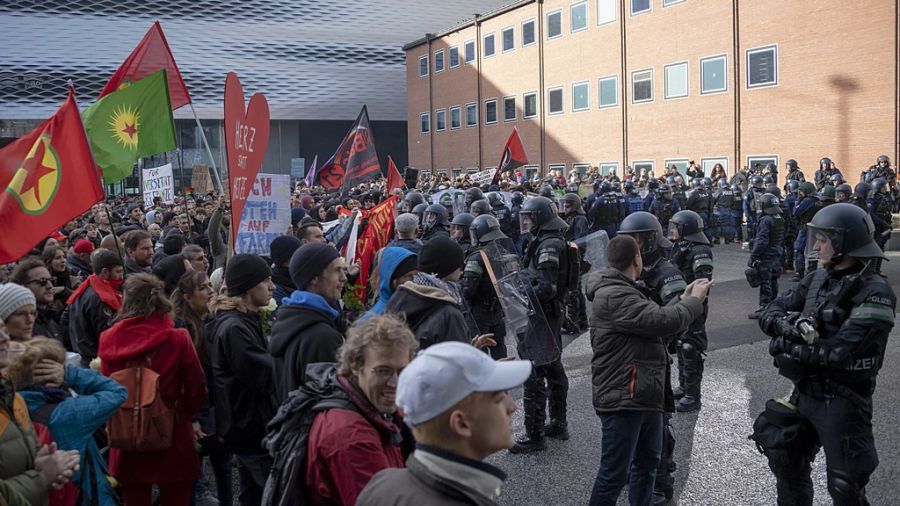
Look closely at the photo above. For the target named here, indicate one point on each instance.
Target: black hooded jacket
(431, 312)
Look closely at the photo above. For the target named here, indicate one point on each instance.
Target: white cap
(446, 373)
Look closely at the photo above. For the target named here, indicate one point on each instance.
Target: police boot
(529, 443)
(678, 392)
(534, 405)
(693, 375)
(558, 428)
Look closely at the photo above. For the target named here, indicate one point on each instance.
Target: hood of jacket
(134, 337)
(604, 279)
(390, 259)
(298, 313)
(417, 302)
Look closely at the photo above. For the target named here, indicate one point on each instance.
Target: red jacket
(182, 386)
(346, 448)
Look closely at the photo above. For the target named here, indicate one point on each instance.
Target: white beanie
(12, 297)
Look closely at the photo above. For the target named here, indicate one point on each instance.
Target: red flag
(151, 55)
(49, 177)
(394, 179)
(378, 232)
(354, 161)
(513, 156)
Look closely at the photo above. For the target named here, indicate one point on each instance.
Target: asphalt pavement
(717, 464)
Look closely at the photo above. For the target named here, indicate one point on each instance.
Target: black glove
(753, 262)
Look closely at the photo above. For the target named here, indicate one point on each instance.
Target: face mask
(116, 283)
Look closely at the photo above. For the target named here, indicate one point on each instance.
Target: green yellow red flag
(131, 123)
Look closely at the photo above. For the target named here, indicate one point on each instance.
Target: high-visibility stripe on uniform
(869, 311)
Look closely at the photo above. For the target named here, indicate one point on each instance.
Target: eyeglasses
(385, 373)
(41, 281)
(20, 314)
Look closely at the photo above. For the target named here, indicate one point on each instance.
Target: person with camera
(828, 337)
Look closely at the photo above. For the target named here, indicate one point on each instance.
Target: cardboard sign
(266, 214)
(158, 182)
(200, 180)
(483, 177)
(246, 140)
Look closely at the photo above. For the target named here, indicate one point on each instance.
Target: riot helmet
(696, 182)
(807, 189)
(838, 231)
(485, 228)
(629, 186)
(879, 184)
(459, 227)
(572, 188)
(687, 225)
(652, 184)
(665, 191)
(435, 214)
(517, 198)
(863, 190)
(414, 198)
(480, 207)
(771, 168)
(707, 182)
(670, 180)
(419, 210)
(837, 178)
(540, 214)
(472, 194)
(825, 163)
(679, 180)
(791, 164)
(546, 191)
(827, 193)
(605, 187)
(793, 186)
(757, 182)
(616, 186)
(723, 183)
(736, 188)
(646, 230)
(883, 161)
(767, 180)
(769, 204)
(842, 192)
(773, 189)
(495, 199)
(571, 203)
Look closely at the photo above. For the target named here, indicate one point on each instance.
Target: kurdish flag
(128, 124)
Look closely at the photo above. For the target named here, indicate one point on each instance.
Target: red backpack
(143, 423)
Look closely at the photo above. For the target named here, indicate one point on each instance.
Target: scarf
(107, 293)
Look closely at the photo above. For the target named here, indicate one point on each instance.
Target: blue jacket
(74, 421)
(390, 259)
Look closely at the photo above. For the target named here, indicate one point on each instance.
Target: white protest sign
(480, 178)
(158, 182)
(266, 215)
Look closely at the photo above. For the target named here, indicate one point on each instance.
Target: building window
(607, 168)
(454, 57)
(509, 108)
(423, 66)
(469, 50)
(456, 173)
(762, 67)
(609, 91)
(554, 24)
(713, 74)
(531, 171)
(644, 164)
(440, 120)
(606, 11)
(529, 105)
(578, 14)
(642, 86)
(667, 3)
(471, 114)
(581, 96)
(639, 6)
(676, 80)
(508, 36)
(425, 122)
(527, 32)
(455, 117)
(681, 165)
(557, 167)
(490, 111)
(582, 169)
(438, 61)
(555, 100)
(489, 45)
(758, 163)
(707, 164)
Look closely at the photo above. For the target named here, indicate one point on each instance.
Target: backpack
(143, 423)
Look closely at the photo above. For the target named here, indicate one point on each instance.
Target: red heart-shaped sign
(246, 140)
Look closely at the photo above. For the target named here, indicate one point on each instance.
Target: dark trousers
(220, 459)
(629, 452)
(546, 379)
(253, 471)
(140, 494)
(769, 269)
(492, 323)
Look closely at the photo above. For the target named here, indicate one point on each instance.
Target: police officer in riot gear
(480, 207)
(880, 206)
(788, 206)
(768, 249)
(826, 170)
(881, 169)
(501, 211)
(412, 199)
(547, 192)
(860, 196)
(633, 200)
(737, 211)
(576, 310)
(459, 232)
(751, 204)
(547, 261)
(477, 286)
(518, 238)
(419, 211)
(700, 201)
(652, 189)
(473, 194)
(679, 192)
(664, 206)
(692, 256)
(662, 283)
(828, 337)
(723, 200)
(606, 211)
(794, 172)
(435, 222)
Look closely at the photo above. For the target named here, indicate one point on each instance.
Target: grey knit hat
(12, 297)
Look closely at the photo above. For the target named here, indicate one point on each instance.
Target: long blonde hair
(144, 295)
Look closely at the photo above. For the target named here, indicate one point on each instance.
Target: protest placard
(266, 214)
(158, 182)
(200, 180)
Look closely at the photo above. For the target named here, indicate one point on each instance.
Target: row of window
(578, 21)
(713, 79)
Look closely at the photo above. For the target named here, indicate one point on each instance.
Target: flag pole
(212, 160)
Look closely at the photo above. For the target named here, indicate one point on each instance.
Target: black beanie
(173, 243)
(244, 272)
(169, 270)
(309, 261)
(407, 264)
(441, 256)
(282, 248)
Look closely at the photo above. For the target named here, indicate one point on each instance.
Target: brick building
(648, 83)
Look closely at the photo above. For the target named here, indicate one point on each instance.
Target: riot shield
(521, 308)
(592, 248)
